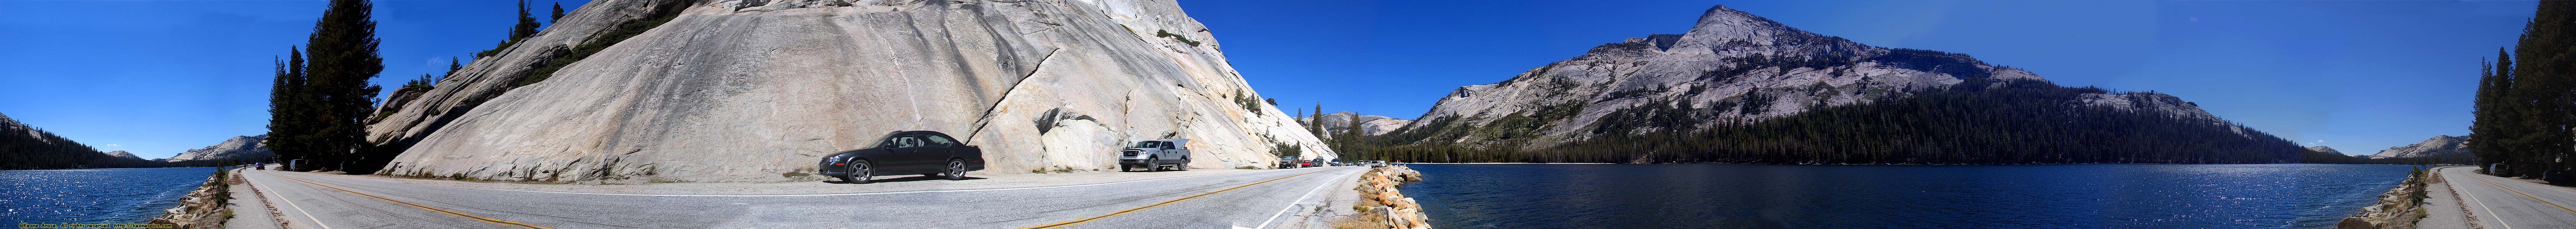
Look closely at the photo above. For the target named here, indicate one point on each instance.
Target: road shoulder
(2443, 206)
(251, 209)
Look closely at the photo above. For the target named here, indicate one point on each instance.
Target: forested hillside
(25, 147)
(2009, 122)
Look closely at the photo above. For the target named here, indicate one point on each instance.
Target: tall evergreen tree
(526, 27)
(2525, 108)
(452, 66)
(2542, 79)
(1317, 126)
(326, 110)
(558, 15)
(2490, 111)
(287, 108)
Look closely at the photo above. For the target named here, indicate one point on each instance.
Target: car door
(1167, 154)
(903, 154)
(937, 150)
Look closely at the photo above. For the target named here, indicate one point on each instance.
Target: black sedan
(906, 153)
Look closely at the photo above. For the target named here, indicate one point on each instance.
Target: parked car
(1376, 164)
(906, 153)
(1288, 162)
(1154, 155)
(1303, 164)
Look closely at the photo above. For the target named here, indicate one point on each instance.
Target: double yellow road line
(1166, 202)
(2528, 195)
(426, 207)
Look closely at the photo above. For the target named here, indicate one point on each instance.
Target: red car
(1306, 164)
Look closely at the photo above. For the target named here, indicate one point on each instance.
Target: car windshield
(1147, 144)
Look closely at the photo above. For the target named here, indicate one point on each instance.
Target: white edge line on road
(1265, 223)
(828, 194)
(291, 203)
(2483, 205)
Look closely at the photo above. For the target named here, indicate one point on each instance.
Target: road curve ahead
(1260, 199)
(2506, 203)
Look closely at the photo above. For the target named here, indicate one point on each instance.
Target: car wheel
(1181, 167)
(1153, 165)
(1124, 167)
(860, 172)
(956, 169)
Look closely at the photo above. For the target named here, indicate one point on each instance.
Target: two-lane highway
(2506, 203)
(1259, 199)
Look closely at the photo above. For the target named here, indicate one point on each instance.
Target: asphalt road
(2506, 203)
(1260, 199)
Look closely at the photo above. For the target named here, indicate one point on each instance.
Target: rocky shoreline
(1382, 206)
(2401, 207)
(203, 208)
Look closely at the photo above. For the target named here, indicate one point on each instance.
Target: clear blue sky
(157, 78)
(160, 77)
(2359, 76)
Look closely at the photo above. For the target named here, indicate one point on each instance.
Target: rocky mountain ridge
(759, 90)
(1741, 67)
(123, 154)
(2323, 149)
(1369, 124)
(236, 147)
(2438, 146)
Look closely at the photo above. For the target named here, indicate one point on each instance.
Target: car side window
(905, 141)
(936, 140)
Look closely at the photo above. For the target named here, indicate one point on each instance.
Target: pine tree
(1317, 126)
(329, 107)
(558, 15)
(2488, 134)
(287, 109)
(526, 27)
(2541, 81)
(452, 66)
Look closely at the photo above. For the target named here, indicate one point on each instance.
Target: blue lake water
(1898, 196)
(94, 195)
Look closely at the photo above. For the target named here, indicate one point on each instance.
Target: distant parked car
(906, 153)
(1154, 155)
(1288, 162)
(1303, 164)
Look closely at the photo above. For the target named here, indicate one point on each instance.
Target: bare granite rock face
(1369, 124)
(2438, 146)
(760, 90)
(123, 154)
(237, 147)
(1730, 60)
(2324, 149)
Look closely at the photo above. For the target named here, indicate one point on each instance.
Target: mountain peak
(2438, 146)
(123, 154)
(2325, 149)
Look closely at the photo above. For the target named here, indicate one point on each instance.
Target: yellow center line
(1123, 212)
(425, 207)
(2483, 180)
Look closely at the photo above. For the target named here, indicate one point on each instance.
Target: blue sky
(2359, 76)
(157, 78)
(160, 77)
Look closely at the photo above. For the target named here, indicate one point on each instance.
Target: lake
(1897, 196)
(94, 195)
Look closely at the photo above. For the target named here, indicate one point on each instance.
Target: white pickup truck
(1155, 154)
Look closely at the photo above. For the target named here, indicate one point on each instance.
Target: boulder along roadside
(2401, 207)
(1381, 205)
(204, 208)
